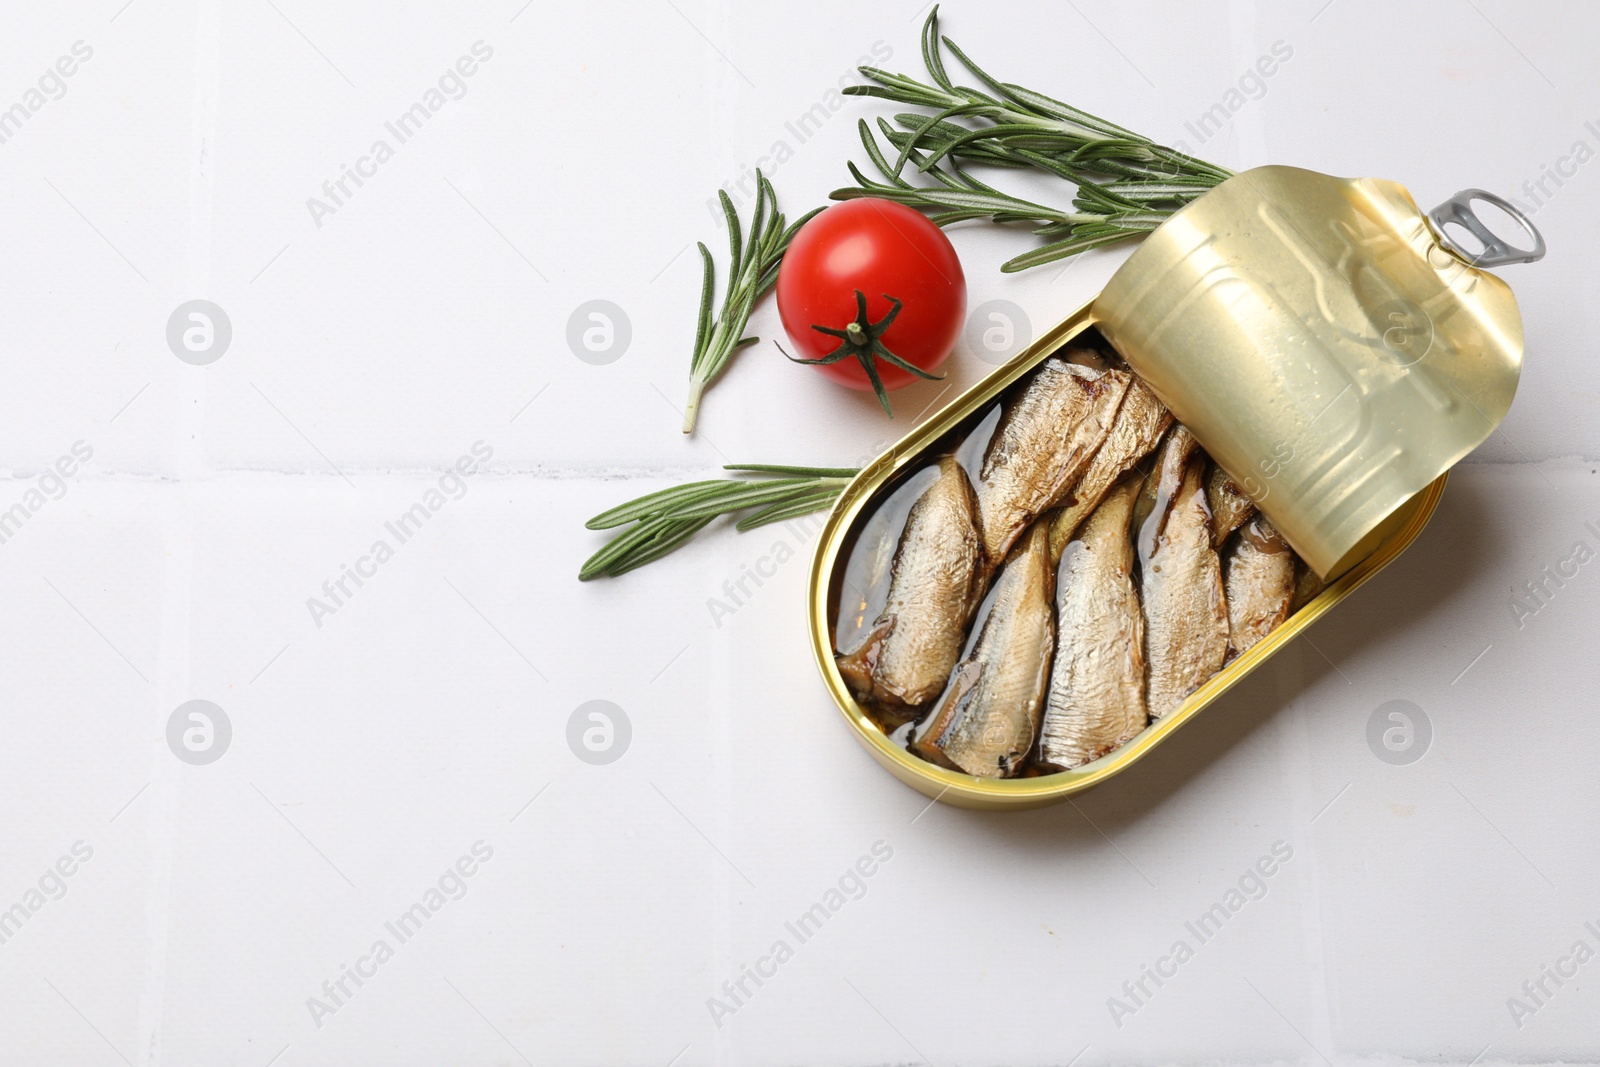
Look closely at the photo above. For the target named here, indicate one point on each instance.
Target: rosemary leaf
(673, 535)
(747, 496)
(782, 510)
(628, 544)
(806, 472)
(1059, 250)
(665, 519)
(659, 503)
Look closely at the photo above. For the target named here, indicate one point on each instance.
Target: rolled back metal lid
(1331, 348)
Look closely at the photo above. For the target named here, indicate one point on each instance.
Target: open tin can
(1333, 348)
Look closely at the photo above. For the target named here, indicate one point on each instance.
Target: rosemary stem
(691, 412)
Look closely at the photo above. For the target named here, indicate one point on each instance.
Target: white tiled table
(376, 746)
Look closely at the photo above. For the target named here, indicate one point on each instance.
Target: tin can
(1332, 347)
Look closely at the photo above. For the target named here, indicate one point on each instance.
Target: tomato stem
(862, 340)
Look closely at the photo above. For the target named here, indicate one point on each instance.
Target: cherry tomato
(872, 295)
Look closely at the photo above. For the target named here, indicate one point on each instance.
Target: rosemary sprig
(1027, 119)
(751, 275)
(1127, 184)
(663, 520)
(1099, 216)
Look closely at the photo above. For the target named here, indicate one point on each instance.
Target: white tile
(382, 731)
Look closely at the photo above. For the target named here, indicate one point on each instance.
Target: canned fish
(1039, 585)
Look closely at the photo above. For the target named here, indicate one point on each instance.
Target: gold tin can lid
(1332, 347)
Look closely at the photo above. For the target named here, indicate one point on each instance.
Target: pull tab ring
(1495, 252)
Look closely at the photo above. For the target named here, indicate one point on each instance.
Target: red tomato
(887, 253)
